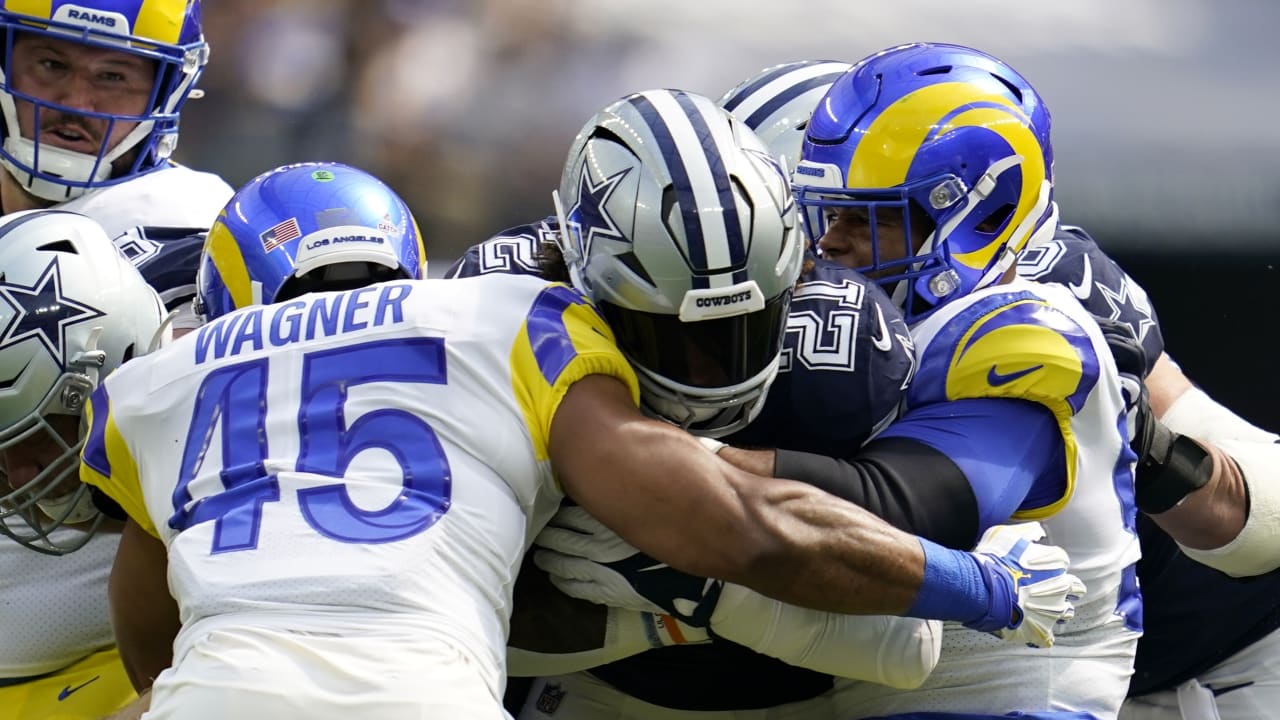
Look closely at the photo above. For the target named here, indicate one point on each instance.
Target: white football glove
(589, 561)
(1037, 578)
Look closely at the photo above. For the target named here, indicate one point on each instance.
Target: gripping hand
(1031, 590)
(589, 561)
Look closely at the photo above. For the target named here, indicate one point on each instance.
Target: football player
(73, 310)
(1234, 625)
(90, 93)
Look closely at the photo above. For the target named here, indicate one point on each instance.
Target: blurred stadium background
(1165, 118)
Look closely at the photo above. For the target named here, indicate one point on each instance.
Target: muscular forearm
(833, 555)
(1232, 523)
(908, 484)
(1213, 515)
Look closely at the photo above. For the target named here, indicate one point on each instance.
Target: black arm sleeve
(910, 485)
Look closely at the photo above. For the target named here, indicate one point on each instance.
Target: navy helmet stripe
(680, 179)
(720, 175)
(731, 103)
(758, 117)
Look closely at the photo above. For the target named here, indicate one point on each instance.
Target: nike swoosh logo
(659, 566)
(883, 343)
(1085, 287)
(1228, 688)
(66, 691)
(996, 379)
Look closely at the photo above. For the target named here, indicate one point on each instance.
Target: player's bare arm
(664, 494)
(1224, 511)
(143, 614)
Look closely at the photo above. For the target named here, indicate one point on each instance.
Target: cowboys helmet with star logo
(679, 225)
(72, 309)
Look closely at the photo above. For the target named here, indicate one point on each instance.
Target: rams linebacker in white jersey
(89, 122)
(930, 167)
(1209, 643)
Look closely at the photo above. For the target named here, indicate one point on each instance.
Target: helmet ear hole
(996, 220)
(632, 263)
(62, 246)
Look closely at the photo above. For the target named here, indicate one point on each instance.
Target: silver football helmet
(681, 228)
(72, 309)
(777, 101)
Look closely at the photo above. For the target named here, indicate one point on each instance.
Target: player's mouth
(70, 137)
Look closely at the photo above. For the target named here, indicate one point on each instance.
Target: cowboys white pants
(1245, 686)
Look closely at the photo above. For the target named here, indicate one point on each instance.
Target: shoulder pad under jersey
(1074, 260)
(1005, 342)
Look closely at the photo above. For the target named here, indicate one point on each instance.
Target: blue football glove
(1031, 590)
(589, 561)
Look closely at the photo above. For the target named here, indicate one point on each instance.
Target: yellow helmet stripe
(227, 258)
(160, 20)
(35, 8)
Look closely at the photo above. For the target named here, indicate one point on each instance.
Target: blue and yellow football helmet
(304, 228)
(167, 33)
(948, 144)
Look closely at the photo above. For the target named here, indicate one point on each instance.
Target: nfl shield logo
(550, 698)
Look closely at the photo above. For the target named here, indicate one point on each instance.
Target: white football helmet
(777, 102)
(72, 309)
(681, 228)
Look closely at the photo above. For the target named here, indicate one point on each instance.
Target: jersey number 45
(233, 399)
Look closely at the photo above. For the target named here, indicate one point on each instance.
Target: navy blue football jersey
(1074, 260)
(513, 251)
(167, 257)
(846, 359)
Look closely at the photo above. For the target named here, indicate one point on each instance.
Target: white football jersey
(378, 455)
(56, 613)
(175, 196)
(1035, 342)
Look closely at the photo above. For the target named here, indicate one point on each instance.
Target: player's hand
(1029, 582)
(589, 561)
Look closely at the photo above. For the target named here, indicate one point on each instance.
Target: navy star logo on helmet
(41, 311)
(588, 216)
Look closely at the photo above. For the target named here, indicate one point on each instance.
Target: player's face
(849, 239)
(23, 461)
(82, 77)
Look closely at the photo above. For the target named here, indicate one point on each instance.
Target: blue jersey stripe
(548, 336)
(95, 446)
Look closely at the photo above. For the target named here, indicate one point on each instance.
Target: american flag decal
(280, 234)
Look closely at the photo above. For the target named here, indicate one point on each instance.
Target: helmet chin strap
(568, 250)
